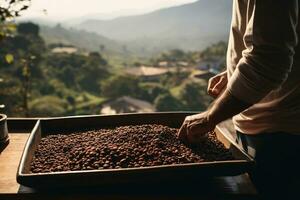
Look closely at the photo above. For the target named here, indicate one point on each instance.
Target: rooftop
(127, 104)
(146, 71)
(68, 50)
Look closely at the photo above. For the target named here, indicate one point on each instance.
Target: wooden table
(238, 187)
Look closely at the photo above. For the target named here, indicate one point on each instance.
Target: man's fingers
(182, 133)
(197, 130)
(211, 83)
(220, 84)
(192, 137)
(212, 93)
(216, 90)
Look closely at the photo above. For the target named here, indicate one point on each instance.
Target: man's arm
(266, 65)
(271, 37)
(263, 67)
(225, 107)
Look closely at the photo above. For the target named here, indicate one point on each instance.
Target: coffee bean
(122, 147)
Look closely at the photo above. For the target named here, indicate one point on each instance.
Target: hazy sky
(64, 9)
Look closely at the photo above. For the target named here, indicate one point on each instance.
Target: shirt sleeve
(271, 37)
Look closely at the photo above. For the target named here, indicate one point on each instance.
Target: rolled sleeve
(270, 38)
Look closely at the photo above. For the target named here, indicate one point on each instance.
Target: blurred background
(75, 57)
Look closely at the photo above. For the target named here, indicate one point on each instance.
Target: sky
(68, 9)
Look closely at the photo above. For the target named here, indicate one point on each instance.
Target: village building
(163, 64)
(182, 63)
(66, 50)
(147, 73)
(204, 74)
(127, 104)
(212, 63)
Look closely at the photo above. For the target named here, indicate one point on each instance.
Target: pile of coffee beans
(122, 147)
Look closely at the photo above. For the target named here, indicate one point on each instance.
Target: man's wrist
(225, 107)
(212, 117)
(208, 121)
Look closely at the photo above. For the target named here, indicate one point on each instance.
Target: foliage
(92, 71)
(218, 49)
(120, 85)
(41, 73)
(170, 80)
(175, 55)
(28, 29)
(166, 102)
(87, 104)
(151, 91)
(39, 82)
(78, 72)
(194, 96)
(10, 90)
(10, 9)
(48, 106)
(9, 58)
(22, 55)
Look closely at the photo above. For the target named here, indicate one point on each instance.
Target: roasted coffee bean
(122, 147)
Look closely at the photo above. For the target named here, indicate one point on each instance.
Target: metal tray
(242, 163)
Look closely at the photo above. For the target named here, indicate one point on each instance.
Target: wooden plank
(9, 161)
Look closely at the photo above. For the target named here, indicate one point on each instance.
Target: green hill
(78, 38)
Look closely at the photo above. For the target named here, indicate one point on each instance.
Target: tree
(28, 29)
(96, 58)
(1, 105)
(166, 102)
(26, 86)
(29, 58)
(72, 102)
(217, 49)
(151, 91)
(173, 56)
(10, 95)
(26, 49)
(12, 9)
(92, 72)
(194, 96)
(172, 79)
(8, 11)
(120, 85)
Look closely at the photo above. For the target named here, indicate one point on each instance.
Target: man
(260, 90)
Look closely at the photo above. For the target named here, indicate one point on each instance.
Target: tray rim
(39, 122)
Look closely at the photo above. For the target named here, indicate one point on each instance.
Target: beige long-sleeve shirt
(263, 65)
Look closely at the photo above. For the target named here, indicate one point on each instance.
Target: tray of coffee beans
(125, 148)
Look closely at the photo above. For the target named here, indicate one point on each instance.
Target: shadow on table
(207, 187)
(3, 145)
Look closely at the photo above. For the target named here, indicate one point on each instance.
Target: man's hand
(195, 128)
(217, 84)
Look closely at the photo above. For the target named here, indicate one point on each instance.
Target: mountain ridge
(190, 27)
(195, 24)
